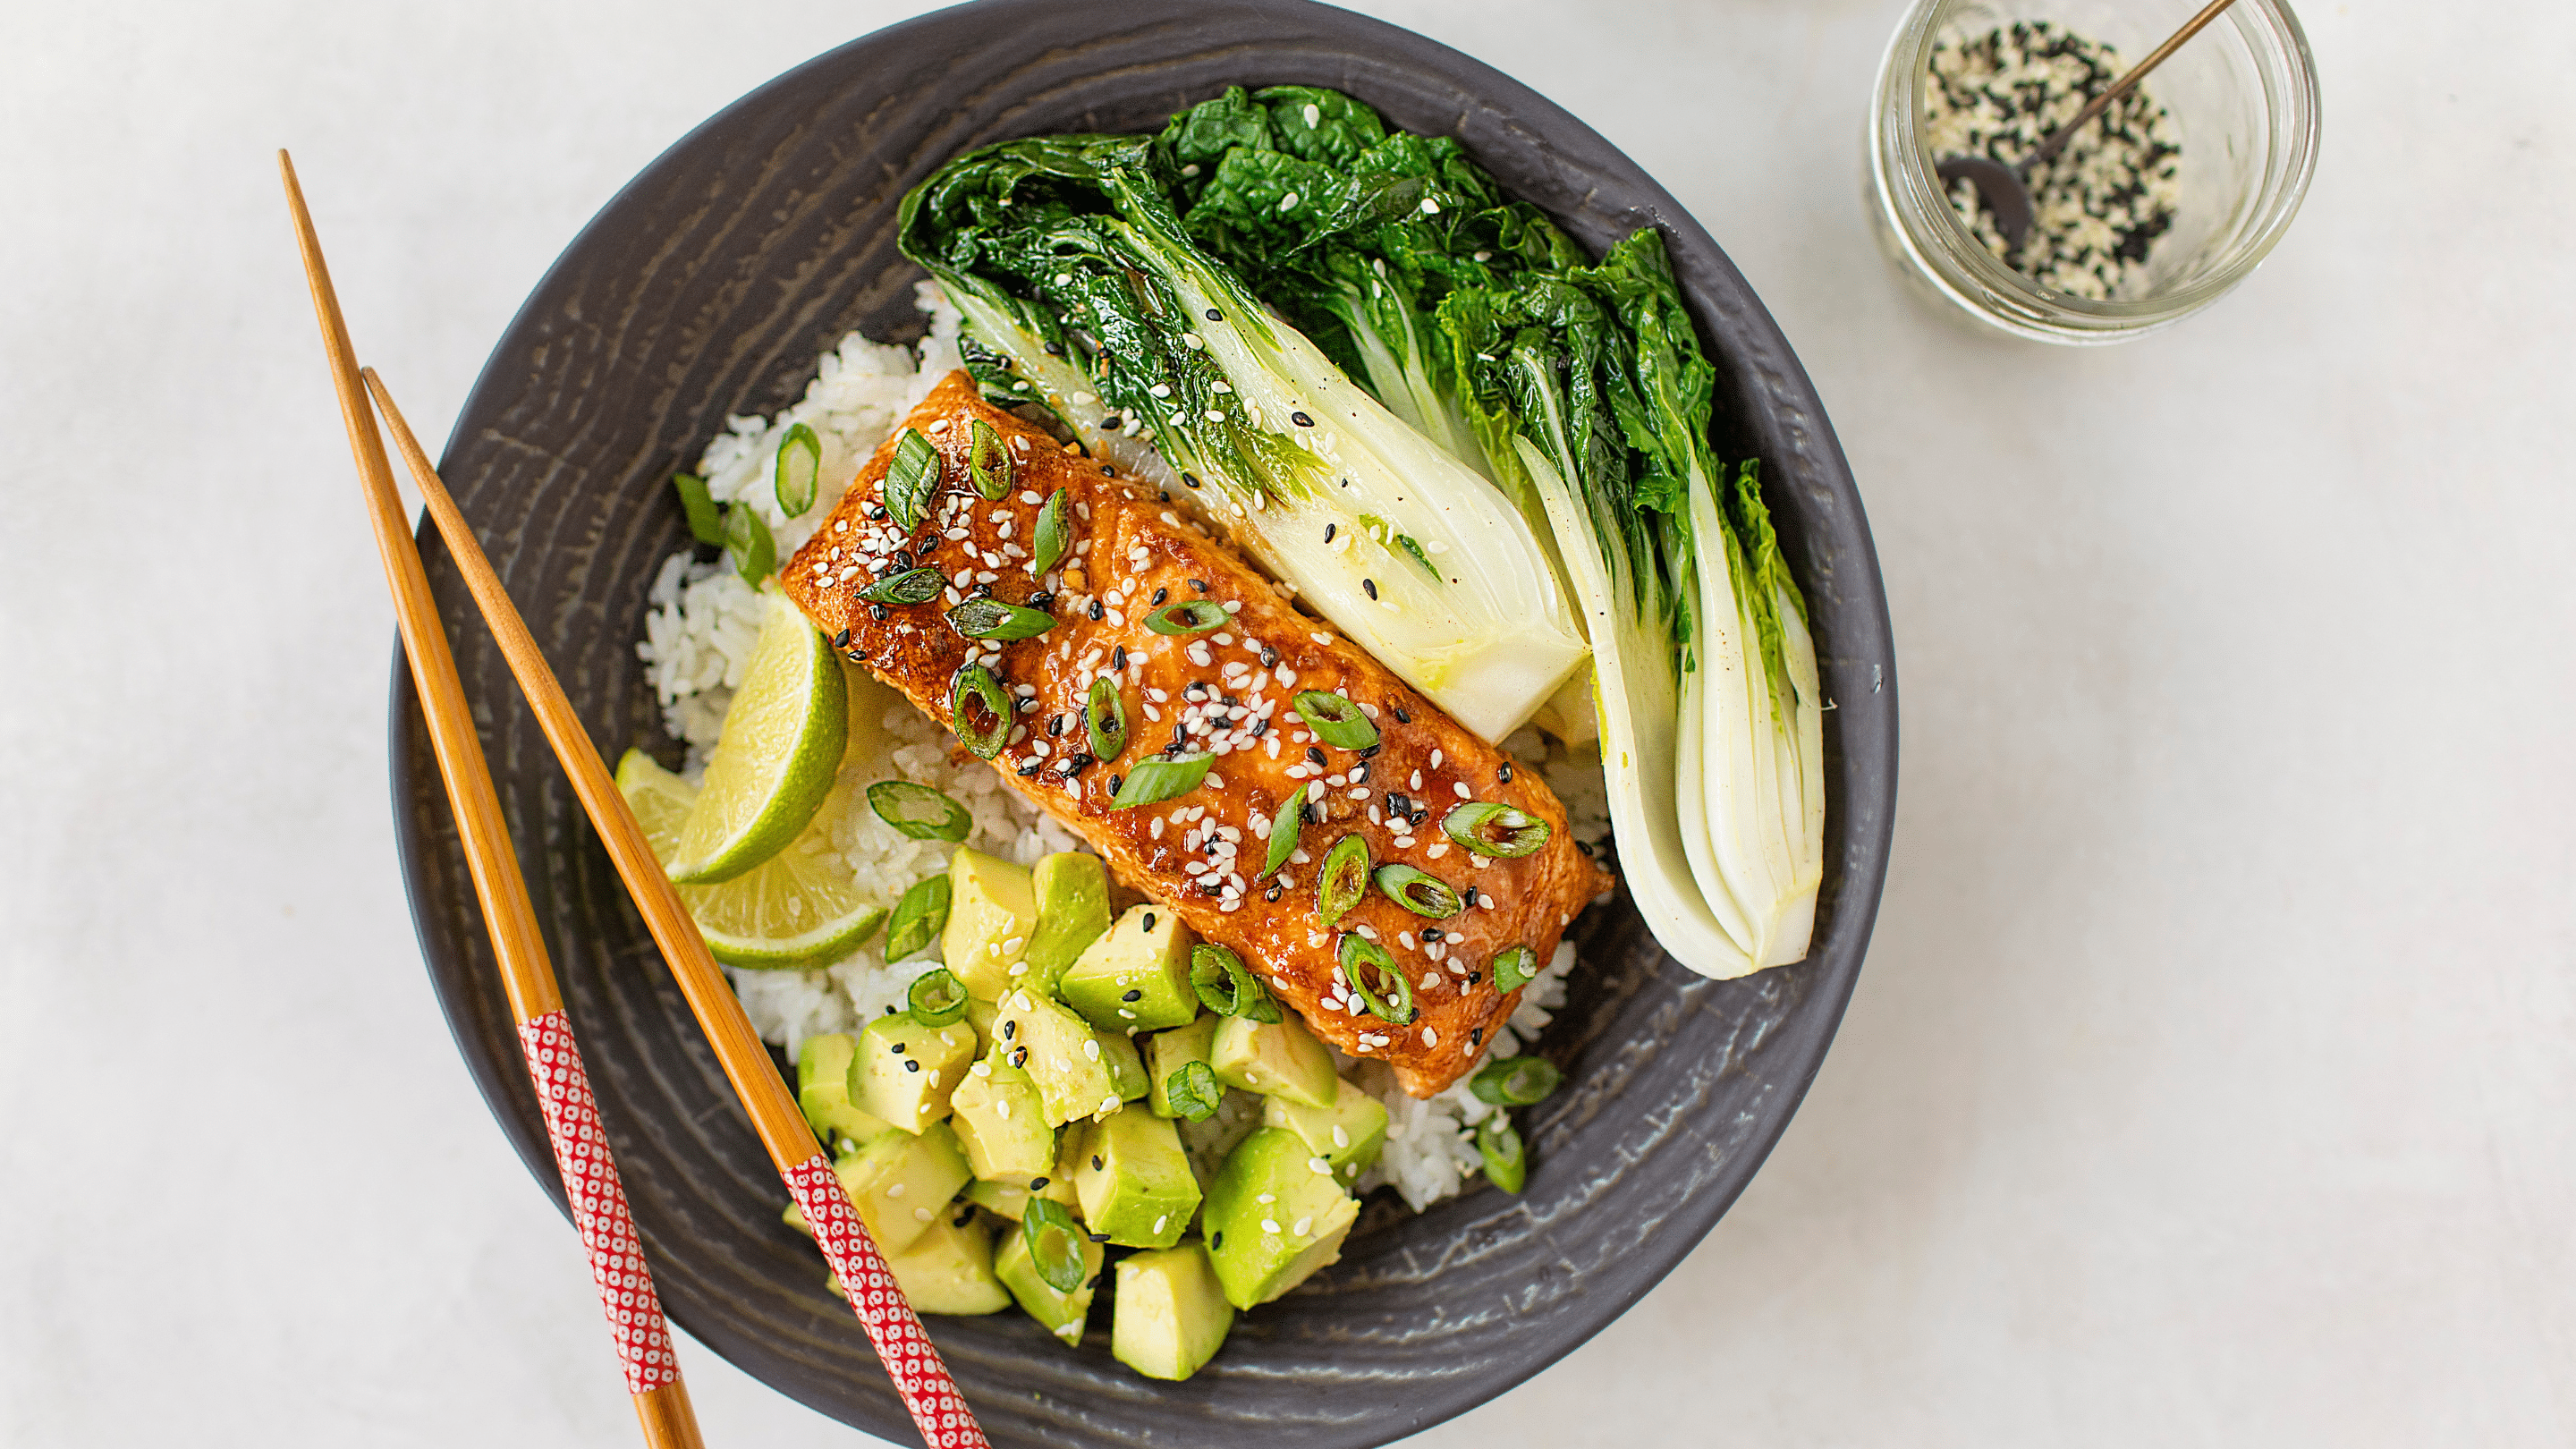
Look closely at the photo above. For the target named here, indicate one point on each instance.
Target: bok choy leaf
(1068, 261)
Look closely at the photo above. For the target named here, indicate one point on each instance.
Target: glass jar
(2243, 95)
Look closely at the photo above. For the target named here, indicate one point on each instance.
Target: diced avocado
(1058, 1051)
(1008, 1200)
(1134, 1181)
(1062, 1313)
(1002, 1123)
(1126, 1068)
(1348, 1134)
(1136, 975)
(1278, 1058)
(1272, 1218)
(1073, 909)
(992, 911)
(823, 1090)
(1167, 1052)
(984, 1016)
(1170, 1315)
(903, 1071)
(901, 1183)
(949, 1268)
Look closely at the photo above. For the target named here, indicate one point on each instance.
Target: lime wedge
(797, 908)
(775, 760)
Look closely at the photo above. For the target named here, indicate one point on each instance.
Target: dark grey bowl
(707, 287)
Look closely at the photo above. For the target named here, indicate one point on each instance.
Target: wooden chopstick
(919, 1374)
(572, 1118)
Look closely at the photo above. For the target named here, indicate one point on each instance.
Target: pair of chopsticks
(581, 1149)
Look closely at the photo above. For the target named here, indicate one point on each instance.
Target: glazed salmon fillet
(1225, 690)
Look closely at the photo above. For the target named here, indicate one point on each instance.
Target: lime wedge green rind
(796, 909)
(776, 757)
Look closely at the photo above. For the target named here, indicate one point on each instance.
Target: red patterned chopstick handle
(909, 1358)
(599, 1204)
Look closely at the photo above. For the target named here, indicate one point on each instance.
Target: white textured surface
(2211, 1080)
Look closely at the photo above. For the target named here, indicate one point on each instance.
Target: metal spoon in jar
(2005, 190)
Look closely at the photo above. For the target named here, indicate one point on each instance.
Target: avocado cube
(1278, 1058)
(949, 1268)
(1136, 975)
(823, 1090)
(901, 1183)
(1126, 1068)
(1058, 1051)
(903, 1071)
(1073, 910)
(984, 1016)
(1009, 1200)
(1002, 1123)
(1170, 1315)
(1349, 1134)
(1167, 1052)
(1134, 1181)
(1061, 1313)
(1273, 1218)
(992, 912)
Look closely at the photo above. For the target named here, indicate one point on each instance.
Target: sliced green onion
(1161, 778)
(1190, 616)
(988, 463)
(1055, 1243)
(1283, 832)
(1227, 987)
(912, 479)
(1514, 968)
(1335, 720)
(975, 683)
(1104, 714)
(1392, 1000)
(1344, 880)
(1419, 891)
(706, 521)
(1194, 1091)
(1506, 1163)
(800, 463)
(1491, 829)
(993, 619)
(1052, 536)
(919, 811)
(912, 586)
(1515, 1081)
(918, 918)
(748, 544)
(937, 996)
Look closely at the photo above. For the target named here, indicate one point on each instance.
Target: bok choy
(1070, 264)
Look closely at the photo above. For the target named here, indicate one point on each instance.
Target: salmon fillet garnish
(1226, 692)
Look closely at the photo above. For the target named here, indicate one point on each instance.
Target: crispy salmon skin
(1207, 659)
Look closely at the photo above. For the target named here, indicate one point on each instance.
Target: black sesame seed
(903, 558)
(1108, 472)
(1096, 1237)
(1431, 933)
(1475, 1036)
(1055, 726)
(1505, 773)
(1371, 752)
(1301, 420)
(1199, 584)
(1213, 315)
(1314, 755)
(877, 612)
(1165, 495)
(1191, 479)
(1010, 1029)
(1161, 594)
(1217, 1240)
(1369, 587)
(1076, 764)
(1468, 895)
(1269, 657)
(1133, 996)
(910, 1065)
(1054, 348)
(1260, 727)
(1272, 894)
(1401, 717)
(1112, 423)
(1038, 1184)
(1095, 608)
(1475, 976)
(876, 515)
(1028, 706)
(1115, 781)
(1118, 656)
(897, 1048)
(981, 591)
(1329, 530)
(1149, 923)
(841, 640)
(1020, 1057)
(1041, 600)
(1096, 1165)
(1029, 770)
(1359, 773)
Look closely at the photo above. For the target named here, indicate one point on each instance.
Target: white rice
(698, 635)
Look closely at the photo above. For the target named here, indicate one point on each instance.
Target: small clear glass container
(2242, 93)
